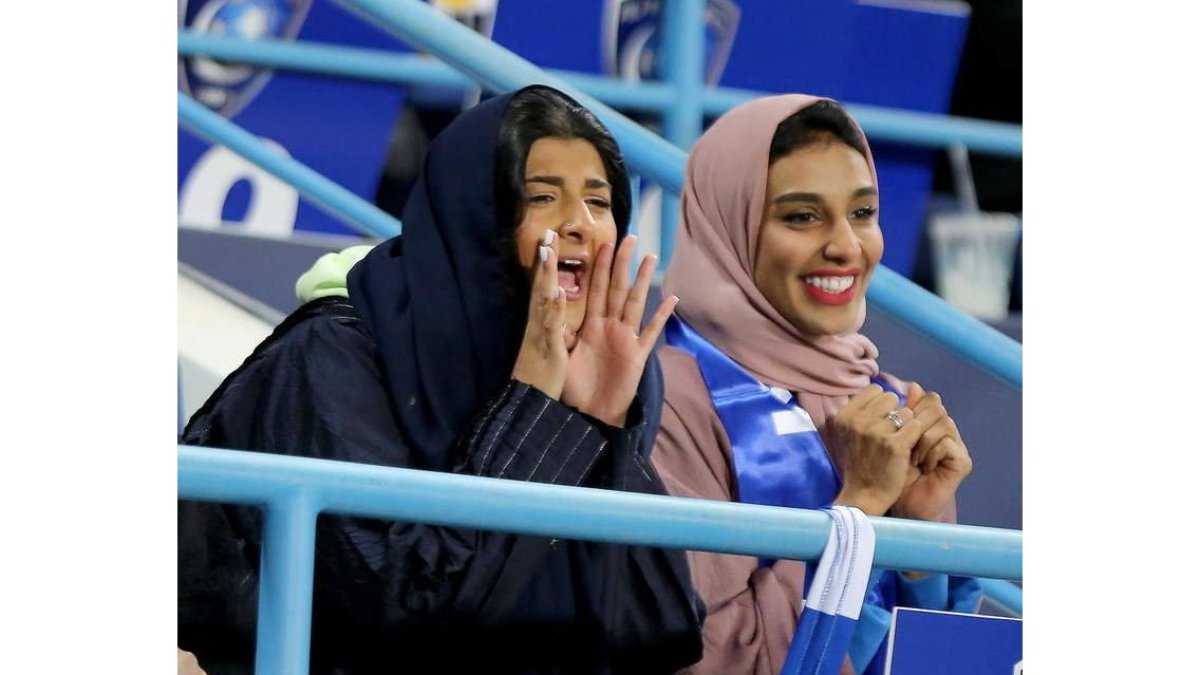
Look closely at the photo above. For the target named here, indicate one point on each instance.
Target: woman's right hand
(872, 455)
(542, 359)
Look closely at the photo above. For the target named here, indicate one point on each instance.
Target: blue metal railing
(1004, 593)
(328, 195)
(881, 124)
(494, 67)
(910, 304)
(498, 69)
(292, 491)
(682, 51)
(384, 66)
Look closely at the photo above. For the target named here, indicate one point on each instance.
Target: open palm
(610, 354)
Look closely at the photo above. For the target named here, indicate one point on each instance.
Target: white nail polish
(549, 238)
(543, 253)
(557, 292)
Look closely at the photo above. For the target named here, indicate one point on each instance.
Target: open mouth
(830, 289)
(572, 276)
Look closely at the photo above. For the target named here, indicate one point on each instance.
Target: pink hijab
(712, 269)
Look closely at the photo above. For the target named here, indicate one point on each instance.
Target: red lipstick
(825, 297)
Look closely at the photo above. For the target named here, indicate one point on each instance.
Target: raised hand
(542, 359)
(872, 453)
(939, 463)
(610, 353)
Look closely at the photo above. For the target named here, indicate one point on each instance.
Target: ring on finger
(894, 416)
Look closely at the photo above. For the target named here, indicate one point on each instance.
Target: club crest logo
(226, 88)
(632, 30)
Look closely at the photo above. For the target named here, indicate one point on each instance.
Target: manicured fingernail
(543, 253)
(557, 292)
(549, 238)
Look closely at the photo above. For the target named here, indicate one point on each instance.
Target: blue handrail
(880, 124)
(1004, 593)
(493, 66)
(902, 126)
(333, 198)
(580, 513)
(498, 68)
(957, 331)
(293, 490)
(682, 51)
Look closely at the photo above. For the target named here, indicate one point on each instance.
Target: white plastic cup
(973, 260)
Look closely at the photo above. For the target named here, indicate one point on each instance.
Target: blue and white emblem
(631, 35)
(225, 87)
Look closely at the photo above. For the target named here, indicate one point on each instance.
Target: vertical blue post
(682, 54)
(635, 190)
(285, 586)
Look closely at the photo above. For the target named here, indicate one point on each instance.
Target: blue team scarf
(835, 597)
(778, 454)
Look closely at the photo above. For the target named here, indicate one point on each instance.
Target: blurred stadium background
(245, 235)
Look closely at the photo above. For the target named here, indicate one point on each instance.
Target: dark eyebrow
(798, 197)
(556, 181)
(812, 197)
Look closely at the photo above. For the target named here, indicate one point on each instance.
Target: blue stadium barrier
(333, 198)
(293, 490)
(500, 70)
(682, 52)
(1004, 593)
(494, 67)
(907, 302)
(881, 124)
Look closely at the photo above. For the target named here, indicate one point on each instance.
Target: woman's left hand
(940, 462)
(609, 355)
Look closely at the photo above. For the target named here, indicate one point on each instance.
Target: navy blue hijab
(435, 299)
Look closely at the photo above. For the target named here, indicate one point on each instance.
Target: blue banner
(341, 128)
(925, 642)
(338, 127)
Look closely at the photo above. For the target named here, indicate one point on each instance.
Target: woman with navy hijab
(499, 336)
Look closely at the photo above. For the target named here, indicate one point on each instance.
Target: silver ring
(894, 416)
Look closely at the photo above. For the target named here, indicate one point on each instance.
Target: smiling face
(567, 190)
(819, 239)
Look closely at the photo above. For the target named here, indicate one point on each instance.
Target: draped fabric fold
(835, 597)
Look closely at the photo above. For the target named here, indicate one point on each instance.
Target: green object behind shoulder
(327, 277)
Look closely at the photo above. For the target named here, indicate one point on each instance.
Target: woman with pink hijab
(772, 395)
